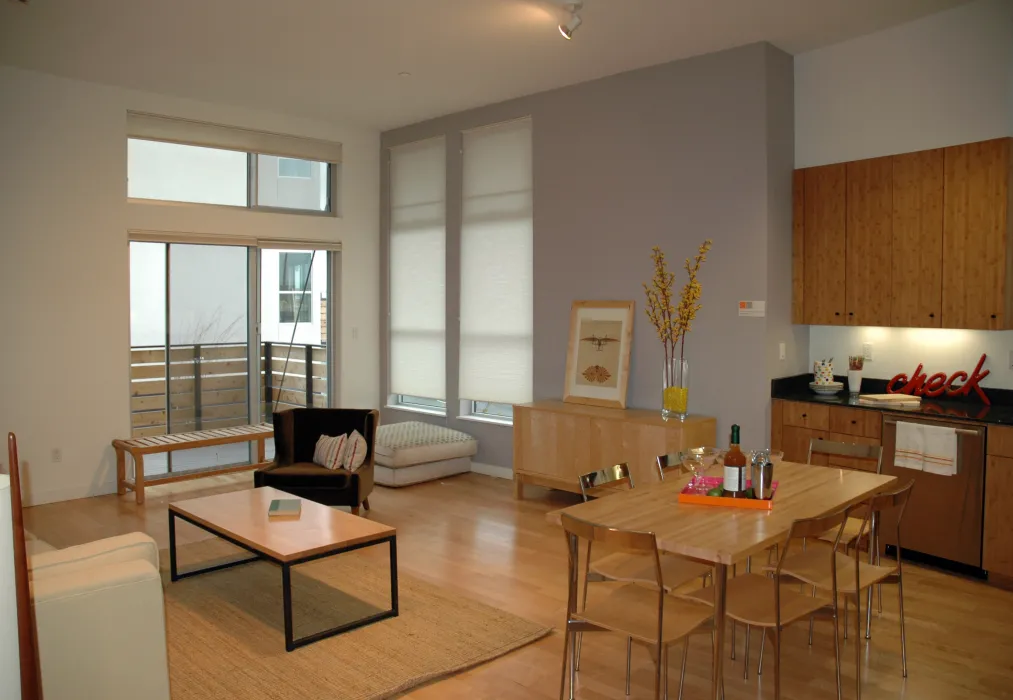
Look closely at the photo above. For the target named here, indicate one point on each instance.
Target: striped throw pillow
(355, 453)
(330, 451)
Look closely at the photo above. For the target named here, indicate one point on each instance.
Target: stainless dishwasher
(944, 515)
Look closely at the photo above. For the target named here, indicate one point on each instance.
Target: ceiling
(341, 59)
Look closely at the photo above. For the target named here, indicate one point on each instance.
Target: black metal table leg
(172, 546)
(393, 576)
(286, 602)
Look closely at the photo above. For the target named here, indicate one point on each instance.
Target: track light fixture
(575, 21)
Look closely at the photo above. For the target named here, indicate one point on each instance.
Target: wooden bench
(155, 444)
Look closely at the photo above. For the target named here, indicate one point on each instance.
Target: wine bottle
(735, 468)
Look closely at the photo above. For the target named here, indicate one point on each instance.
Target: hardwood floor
(468, 534)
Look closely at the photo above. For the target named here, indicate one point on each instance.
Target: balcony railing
(207, 386)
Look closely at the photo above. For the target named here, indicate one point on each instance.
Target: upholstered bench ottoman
(413, 452)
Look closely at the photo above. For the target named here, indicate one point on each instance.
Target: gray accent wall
(667, 155)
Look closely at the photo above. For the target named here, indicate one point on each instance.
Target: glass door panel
(294, 295)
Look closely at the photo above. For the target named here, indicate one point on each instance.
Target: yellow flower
(674, 322)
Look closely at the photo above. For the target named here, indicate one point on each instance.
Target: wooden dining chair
(862, 458)
(642, 612)
(626, 566)
(764, 601)
(854, 576)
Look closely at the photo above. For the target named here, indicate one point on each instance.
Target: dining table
(723, 536)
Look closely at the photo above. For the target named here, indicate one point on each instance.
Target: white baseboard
(493, 470)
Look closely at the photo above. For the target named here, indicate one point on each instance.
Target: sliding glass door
(222, 336)
(294, 288)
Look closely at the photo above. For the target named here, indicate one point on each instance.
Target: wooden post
(30, 682)
(198, 420)
(309, 376)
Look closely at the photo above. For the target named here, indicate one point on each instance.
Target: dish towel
(929, 448)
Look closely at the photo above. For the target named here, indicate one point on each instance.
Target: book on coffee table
(282, 508)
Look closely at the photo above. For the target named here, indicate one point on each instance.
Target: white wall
(64, 265)
(942, 80)
(939, 81)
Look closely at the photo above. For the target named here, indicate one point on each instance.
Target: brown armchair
(296, 432)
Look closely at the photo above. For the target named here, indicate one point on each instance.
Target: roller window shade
(418, 270)
(496, 265)
(195, 133)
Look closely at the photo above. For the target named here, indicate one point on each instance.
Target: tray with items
(709, 497)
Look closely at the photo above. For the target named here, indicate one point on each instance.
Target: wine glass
(700, 460)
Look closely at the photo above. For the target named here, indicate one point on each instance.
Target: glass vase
(675, 390)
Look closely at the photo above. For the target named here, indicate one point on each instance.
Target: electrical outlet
(781, 353)
(1011, 359)
(867, 351)
(57, 455)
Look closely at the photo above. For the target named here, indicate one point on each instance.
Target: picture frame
(598, 353)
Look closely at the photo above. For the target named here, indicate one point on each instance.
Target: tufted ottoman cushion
(412, 452)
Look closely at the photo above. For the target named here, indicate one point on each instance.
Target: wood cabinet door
(869, 250)
(917, 239)
(776, 424)
(555, 445)
(824, 244)
(806, 415)
(975, 202)
(795, 443)
(997, 538)
(798, 247)
(856, 421)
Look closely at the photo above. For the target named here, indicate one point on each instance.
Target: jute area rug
(226, 638)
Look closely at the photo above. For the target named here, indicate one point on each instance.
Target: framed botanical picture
(598, 355)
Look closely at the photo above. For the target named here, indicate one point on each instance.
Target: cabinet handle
(838, 313)
(805, 415)
(994, 316)
(854, 422)
(851, 313)
(932, 315)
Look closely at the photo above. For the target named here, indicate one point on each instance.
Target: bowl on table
(827, 389)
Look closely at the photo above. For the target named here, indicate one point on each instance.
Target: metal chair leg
(682, 673)
(629, 657)
(583, 604)
(903, 637)
(868, 614)
(664, 675)
(846, 601)
(573, 666)
(812, 620)
(745, 654)
(658, 672)
(858, 645)
(763, 643)
(566, 652)
(837, 652)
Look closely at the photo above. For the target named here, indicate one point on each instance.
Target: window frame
(473, 411)
(252, 194)
(417, 404)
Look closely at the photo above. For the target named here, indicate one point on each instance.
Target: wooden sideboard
(554, 441)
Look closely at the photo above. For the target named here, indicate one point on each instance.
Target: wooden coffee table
(241, 518)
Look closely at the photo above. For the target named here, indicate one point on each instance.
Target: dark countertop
(999, 413)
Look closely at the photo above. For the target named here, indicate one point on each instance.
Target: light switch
(781, 353)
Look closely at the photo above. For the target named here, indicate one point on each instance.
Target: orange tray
(711, 482)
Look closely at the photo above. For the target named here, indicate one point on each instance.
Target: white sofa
(101, 619)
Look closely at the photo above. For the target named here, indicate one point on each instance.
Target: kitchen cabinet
(806, 415)
(997, 532)
(823, 241)
(913, 240)
(917, 240)
(856, 422)
(997, 535)
(975, 234)
(868, 242)
(795, 444)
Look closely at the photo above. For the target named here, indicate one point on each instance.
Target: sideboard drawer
(806, 415)
(856, 421)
